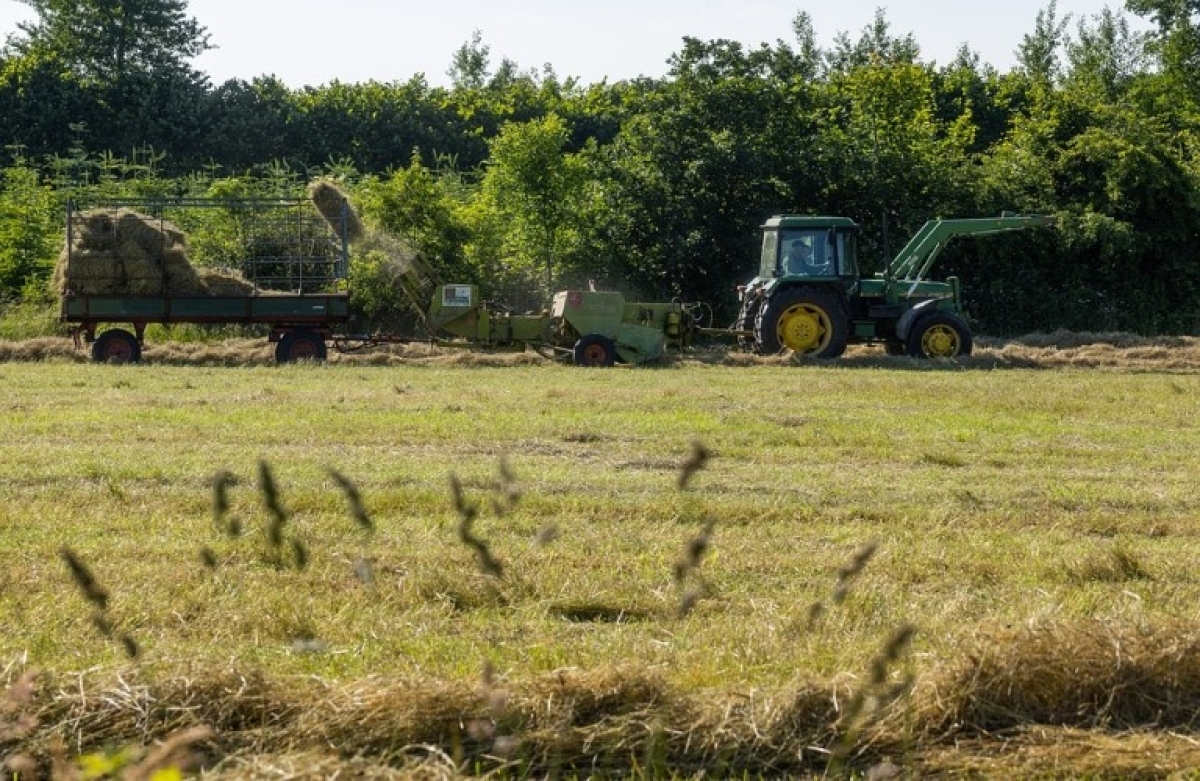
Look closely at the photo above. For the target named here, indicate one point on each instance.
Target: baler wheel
(595, 350)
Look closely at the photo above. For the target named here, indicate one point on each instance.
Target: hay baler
(595, 328)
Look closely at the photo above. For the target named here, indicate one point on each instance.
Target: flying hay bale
(329, 201)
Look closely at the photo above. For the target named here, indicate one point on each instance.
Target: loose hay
(329, 201)
(225, 282)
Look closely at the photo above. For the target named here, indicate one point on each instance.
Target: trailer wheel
(940, 335)
(116, 346)
(805, 320)
(595, 350)
(300, 346)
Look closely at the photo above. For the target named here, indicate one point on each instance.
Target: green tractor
(809, 297)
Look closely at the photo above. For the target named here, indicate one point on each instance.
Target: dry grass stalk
(510, 493)
(847, 575)
(688, 566)
(467, 513)
(270, 494)
(92, 591)
(695, 462)
(96, 594)
(357, 509)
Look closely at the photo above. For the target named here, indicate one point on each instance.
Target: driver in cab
(798, 259)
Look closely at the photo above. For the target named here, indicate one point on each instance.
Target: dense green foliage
(524, 182)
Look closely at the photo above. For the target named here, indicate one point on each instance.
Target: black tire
(940, 335)
(747, 317)
(595, 350)
(804, 320)
(116, 346)
(300, 346)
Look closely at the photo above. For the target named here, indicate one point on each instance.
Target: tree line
(525, 182)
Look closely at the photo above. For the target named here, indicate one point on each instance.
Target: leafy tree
(1105, 56)
(125, 60)
(470, 64)
(1177, 40)
(29, 231)
(1038, 53)
(425, 208)
(535, 187)
(876, 45)
(104, 41)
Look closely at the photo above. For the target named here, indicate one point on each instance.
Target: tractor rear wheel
(747, 316)
(300, 346)
(595, 350)
(804, 320)
(940, 335)
(116, 346)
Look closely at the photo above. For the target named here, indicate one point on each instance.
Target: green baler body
(640, 331)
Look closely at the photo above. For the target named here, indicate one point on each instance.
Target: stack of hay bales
(122, 252)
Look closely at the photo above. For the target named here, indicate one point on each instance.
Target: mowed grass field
(880, 567)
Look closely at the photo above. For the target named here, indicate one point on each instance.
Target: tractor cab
(805, 247)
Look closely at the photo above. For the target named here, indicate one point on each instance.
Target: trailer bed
(301, 324)
(319, 310)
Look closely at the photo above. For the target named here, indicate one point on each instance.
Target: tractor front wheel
(804, 320)
(116, 346)
(300, 346)
(595, 350)
(940, 335)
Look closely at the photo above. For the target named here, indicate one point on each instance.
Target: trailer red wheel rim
(595, 355)
(118, 351)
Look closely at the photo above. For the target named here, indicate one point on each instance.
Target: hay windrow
(1079, 674)
(1105, 683)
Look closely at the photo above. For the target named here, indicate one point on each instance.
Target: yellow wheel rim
(805, 328)
(941, 341)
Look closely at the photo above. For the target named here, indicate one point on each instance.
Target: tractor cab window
(807, 253)
(847, 252)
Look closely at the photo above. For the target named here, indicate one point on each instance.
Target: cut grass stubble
(939, 508)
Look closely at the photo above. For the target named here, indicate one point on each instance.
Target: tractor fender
(911, 316)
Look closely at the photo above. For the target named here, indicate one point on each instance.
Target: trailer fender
(908, 318)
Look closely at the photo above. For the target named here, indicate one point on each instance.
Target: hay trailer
(279, 266)
(126, 266)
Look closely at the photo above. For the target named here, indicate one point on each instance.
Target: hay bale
(95, 230)
(225, 282)
(181, 278)
(329, 200)
(115, 252)
(143, 231)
